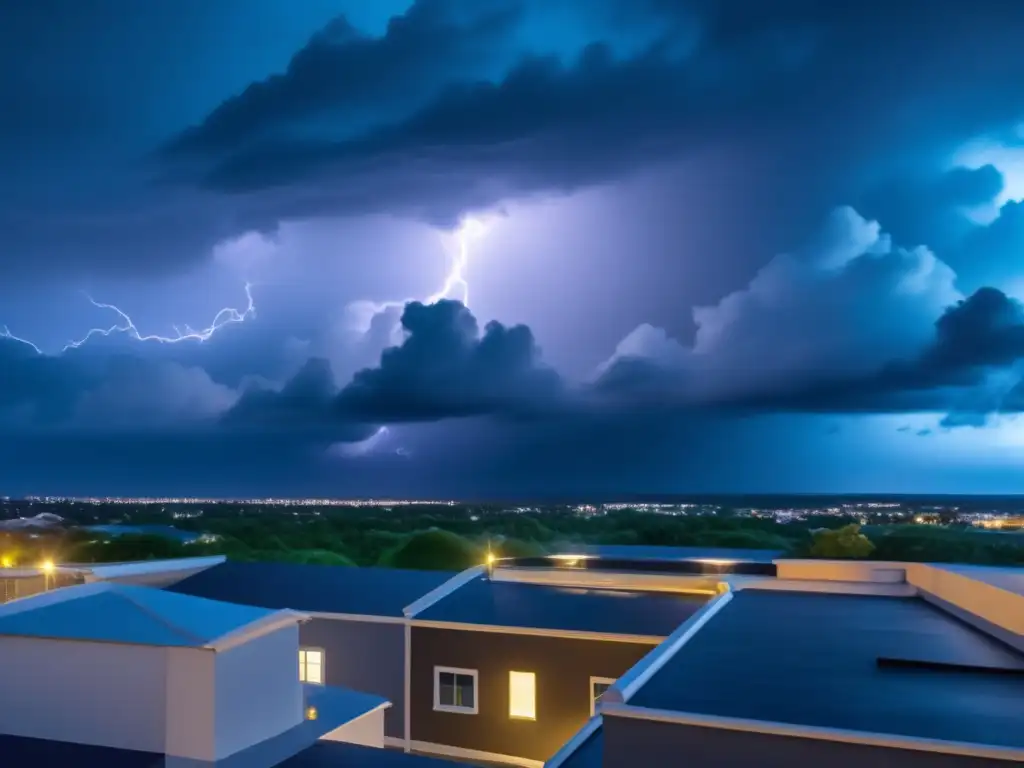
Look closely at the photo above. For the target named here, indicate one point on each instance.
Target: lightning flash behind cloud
(224, 317)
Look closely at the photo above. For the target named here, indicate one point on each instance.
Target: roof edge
(631, 682)
(142, 567)
(255, 630)
(581, 737)
(439, 593)
(772, 728)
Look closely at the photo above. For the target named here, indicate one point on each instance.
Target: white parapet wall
(985, 598)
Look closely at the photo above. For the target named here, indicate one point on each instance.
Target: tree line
(459, 538)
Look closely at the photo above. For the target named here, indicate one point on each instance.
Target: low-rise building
(571, 661)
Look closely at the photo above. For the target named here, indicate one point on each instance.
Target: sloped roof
(121, 613)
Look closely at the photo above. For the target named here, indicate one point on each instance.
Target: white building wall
(191, 724)
(258, 693)
(367, 730)
(106, 694)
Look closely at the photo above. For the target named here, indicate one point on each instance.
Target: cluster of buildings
(624, 657)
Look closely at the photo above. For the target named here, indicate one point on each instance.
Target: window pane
(314, 673)
(522, 695)
(446, 695)
(465, 693)
(600, 689)
(314, 657)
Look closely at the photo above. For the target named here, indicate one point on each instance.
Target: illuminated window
(522, 695)
(455, 690)
(311, 665)
(598, 687)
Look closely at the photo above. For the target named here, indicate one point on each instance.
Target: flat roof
(121, 613)
(317, 588)
(542, 606)
(812, 659)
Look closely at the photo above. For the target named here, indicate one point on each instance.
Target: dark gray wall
(629, 743)
(367, 656)
(563, 667)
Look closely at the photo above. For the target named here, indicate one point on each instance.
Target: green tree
(434, 550)
(843, 542)
(517, 548)
(308, 557)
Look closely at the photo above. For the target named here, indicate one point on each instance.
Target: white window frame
(439, 707)
(609, 681)
(303, 664)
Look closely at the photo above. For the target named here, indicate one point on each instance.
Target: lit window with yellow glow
(311, 665)
(522, 695)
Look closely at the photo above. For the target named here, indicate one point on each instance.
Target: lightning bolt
(226, 316)
(454, 283)
(5, 333)
(456, 277)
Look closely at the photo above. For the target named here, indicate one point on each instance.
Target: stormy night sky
(495, 248)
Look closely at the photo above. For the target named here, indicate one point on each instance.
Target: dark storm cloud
(306, 405)
(344, 75)
(971, 370)
(802, 75)
(103, 394)
(445, 368)
(932, 208)
(463, 105)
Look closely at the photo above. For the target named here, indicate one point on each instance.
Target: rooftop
(120, 613)
(333, 754)
(19, 751)
(537, 606)
(642, 552)
(861, 663)
(319, 588)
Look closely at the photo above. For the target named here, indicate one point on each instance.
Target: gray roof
(515, 604)
(319, 588)
(812, 659)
